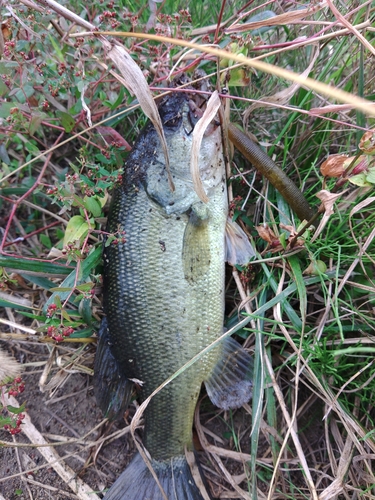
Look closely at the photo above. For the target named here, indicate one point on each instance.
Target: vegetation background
(67, 122)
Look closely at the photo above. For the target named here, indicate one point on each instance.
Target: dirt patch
(69, 415)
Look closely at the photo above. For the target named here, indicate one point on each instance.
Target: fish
(163, 290)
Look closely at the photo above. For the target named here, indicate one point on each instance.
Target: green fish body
(164, 301)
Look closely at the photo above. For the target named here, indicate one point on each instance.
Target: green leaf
(31, 148)
(34, 266)
(15, 410)
(35, 122)
(85, 308)
(46, 241)
(87, 267)
(370, 177)
(67, 121)
(301, 287)
(83, 334)
(92, 205)
(120, 98)
(57, 300)
(76, 229)
(65, 315)
(86, 287)
(57, 48)
(24, 93)
(13, 305)
(359, 180)
(239, 78)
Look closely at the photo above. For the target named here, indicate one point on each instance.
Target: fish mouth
(187, 105)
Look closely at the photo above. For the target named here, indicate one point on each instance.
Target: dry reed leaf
(135, 82)
(200, 128)
(290, 419)
(206, 446)
(331, 108)
(344, 463)
(369, 240)
(290, 17)
(328, 199)
(13, 324)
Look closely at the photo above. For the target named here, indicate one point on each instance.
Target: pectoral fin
(237, 246)
(196, 254)
(230, 383)
(112, 389)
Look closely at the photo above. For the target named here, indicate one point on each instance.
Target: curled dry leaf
(289, 228)
(333, 166)
(336, 165)
(200, 128)
(266, 233)
(328, 199)
(367, 143)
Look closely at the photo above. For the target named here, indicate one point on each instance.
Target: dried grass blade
(200, 128)
(136, 83)
(290, 17)
(364, 105)
(350, 27)
(284, 96)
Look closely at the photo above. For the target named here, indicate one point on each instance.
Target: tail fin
(175, 477)
(112, 389)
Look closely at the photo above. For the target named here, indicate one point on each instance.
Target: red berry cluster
(59, 333)
(51, 310)
(16, 387)
(13, 388)
(235, 203)
(15, 427)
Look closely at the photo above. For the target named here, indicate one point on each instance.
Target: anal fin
(230, 383)
(112, 389)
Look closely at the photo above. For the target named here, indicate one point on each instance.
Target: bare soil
(71, 413)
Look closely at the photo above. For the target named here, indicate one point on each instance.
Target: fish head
(179, 115)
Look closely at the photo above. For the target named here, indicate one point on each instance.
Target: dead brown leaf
(328, 199)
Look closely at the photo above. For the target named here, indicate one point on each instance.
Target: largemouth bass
(164, 302)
